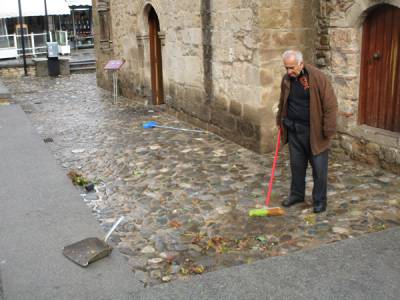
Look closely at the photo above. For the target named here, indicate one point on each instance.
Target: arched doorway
(380, 68)
(155, 58)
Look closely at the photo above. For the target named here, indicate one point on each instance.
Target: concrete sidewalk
(40, 213)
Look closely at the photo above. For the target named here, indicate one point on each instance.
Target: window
(104, 26)
(103, 9)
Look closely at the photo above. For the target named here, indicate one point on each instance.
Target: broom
(153, 124)
(270, 211)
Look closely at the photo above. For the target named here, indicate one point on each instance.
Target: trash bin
(52, 55)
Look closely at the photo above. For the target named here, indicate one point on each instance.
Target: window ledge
(377, 135)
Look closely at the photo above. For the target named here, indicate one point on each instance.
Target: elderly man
(307, 115)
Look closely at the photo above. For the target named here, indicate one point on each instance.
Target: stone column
(144, 62)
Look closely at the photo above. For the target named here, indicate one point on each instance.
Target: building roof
(9, 9)
(79, 2)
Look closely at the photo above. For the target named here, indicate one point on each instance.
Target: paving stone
(148, 250)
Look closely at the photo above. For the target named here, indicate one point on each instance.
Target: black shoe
(320, 207)
(291, 201)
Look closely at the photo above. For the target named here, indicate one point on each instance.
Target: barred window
(104, 24)
(103, 9)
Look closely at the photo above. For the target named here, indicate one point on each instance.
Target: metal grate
(48, 140)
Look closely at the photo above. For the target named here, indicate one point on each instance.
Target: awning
(79, 2)
(30, 8)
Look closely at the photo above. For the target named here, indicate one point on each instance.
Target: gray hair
(290, 53)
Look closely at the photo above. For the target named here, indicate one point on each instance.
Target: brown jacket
(323, 109)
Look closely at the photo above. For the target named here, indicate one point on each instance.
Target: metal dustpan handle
(113, 228)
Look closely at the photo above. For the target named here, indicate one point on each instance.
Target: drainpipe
(46, 21)
(22, 37)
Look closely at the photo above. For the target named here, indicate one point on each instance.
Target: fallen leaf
(261, 239)
(184, 271)
(175, 224)
(217, 240)
(243, 244)
(197, 269)
(310, 219)
(77, 178)
(196, 240)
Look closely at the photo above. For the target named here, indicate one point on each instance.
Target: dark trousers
(300, 155)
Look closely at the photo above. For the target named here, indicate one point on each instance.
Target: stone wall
(16, 71)
(338, 52)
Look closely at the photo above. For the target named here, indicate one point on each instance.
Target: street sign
(114, 64)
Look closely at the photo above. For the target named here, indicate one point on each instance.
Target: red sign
(114, 64)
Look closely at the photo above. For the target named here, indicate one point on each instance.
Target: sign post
(114, 66)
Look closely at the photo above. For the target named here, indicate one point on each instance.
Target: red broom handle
(278, 143)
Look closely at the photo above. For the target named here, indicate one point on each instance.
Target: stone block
(16, 71)
(270, 56)
(250, 95)
(192, 72)
(245, 128)
(42, 68)
(252, 114)
(347, 108)
(270, 96)
(64, 66)
(266, 78)
(245, 18)
(274, 18)
(345, 38)
(192, 36)
(283, 39)
(266, 4)
(372, 148)
(346, 143)
(302, 14)
(223, 120)
(324, 40)
(202, 112)
(242, 53)
(220, 103)
(345, 63)
(4, 92)
(192, 103)
(391, 155)
(235, 108)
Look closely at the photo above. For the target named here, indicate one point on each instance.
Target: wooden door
(380, 67)
(155, 59)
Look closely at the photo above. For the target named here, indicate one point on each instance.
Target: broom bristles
(275, 211)
(270, 211)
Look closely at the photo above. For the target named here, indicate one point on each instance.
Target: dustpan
(90, 249)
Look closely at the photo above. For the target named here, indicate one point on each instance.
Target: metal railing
(35, 43)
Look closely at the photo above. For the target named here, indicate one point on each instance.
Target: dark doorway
(155, 59)
(380, 67)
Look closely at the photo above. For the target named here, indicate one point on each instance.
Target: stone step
(82, 62)
(83, 66)
(83, 69)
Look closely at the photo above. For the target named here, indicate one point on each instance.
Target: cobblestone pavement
(186, 195)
